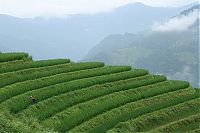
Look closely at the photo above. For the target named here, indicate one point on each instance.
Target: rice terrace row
(59, 95)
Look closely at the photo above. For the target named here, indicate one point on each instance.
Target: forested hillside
(171, 49)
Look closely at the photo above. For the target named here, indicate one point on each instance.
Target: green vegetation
(100, 105)
(11, 124)
(33, 73)
(4, 57)
(169, 53)
(52, 105)
(157, 118)
(92, 97)
(57, 89)
(29, 85)
(19, 65)
(183, 125)
(12, 63)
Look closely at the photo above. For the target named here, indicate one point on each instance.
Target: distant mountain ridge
(75, 35)
(173, 53)
(186, 12)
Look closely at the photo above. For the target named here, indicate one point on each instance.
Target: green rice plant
(12, 63)
(47, 92)
(33, 64)
(155, 119)
(4, 57)
(12, 124)
(84, 111)
(183, 125)
(197, 130)
(107, 120)
(34, 73)
(51, 106)
(22, 87)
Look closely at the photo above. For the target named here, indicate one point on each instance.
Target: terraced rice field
(91, 97)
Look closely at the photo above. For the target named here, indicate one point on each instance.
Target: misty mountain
(173, 52)
(73, 36)
(189, 10)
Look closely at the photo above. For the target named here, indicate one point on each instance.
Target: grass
(84, 111)
(34, 73)
(91, 97)
(51, 106)
(4, 57)
(109, 119)
(57, 89)
(182, 125)
(70, 73)
(4, 65)
(158, 118)
(31, 64)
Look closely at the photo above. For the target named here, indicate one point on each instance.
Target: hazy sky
(33, 8)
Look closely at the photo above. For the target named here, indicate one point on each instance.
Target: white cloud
(32, 8)
(185, 73)
(178, 23)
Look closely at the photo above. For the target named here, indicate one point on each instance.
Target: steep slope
(91, 97)
(167, 49)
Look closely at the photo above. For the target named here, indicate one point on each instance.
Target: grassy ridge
(197, 130)
(56, 104)
(34, 64)
(70, 73)
(13, 63)
(91, 97)
(183, 125)
(109, 119)
(34, 73)
(160, 117)
(82, 112)
(12, 124)
(57, 89)
(4, 57)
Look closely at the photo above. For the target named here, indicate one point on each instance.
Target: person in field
(33, 99)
